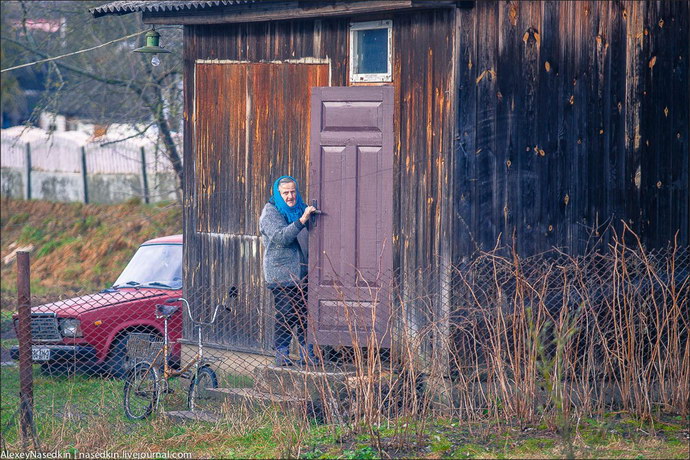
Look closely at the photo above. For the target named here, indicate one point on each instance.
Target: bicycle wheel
(199, 396)
(141, 391)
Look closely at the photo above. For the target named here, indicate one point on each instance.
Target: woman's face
(289, 193)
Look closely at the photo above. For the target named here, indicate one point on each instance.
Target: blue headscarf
(290, 213)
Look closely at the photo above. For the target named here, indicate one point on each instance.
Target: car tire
(116, 363)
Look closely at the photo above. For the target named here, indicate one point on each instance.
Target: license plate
(40, 353)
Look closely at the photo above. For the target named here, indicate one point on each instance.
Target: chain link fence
(501, 337)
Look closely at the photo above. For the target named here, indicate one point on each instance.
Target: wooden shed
(437, 129)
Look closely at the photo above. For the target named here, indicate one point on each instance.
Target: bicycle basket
(144, 347)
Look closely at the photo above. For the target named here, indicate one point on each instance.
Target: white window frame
(371, 77)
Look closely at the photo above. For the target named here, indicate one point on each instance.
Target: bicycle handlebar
(189, 311)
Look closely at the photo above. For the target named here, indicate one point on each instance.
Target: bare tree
(108, 84)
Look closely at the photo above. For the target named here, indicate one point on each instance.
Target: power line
(40, 61)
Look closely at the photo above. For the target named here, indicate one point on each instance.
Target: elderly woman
(284, 232)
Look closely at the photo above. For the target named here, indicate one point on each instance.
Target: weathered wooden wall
(423, 79)
(223, 200)
(538, 121)
(259, 131)
(571, 116)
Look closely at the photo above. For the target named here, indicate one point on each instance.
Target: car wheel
(116, 363)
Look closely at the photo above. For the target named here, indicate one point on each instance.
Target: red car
(91, 331)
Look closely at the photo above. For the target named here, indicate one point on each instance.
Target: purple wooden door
(351, 177)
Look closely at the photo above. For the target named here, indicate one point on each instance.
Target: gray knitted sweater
(285, 248)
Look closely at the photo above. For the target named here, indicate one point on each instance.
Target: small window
(370, 51)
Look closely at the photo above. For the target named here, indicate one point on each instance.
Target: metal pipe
(84, 176)
(27, 167)
(144, 178)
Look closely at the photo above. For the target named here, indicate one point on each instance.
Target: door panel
(351, 176)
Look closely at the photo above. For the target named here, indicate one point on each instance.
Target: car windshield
(155, 265)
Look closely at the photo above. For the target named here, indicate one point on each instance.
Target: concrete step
(304, 382)
(192, 416)
(254, 396)
(318, 408)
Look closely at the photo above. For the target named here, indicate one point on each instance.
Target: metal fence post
(143, 175)
(28, 171)
(26, 392)
(84, 178)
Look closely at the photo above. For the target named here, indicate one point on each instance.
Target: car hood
(78, 305)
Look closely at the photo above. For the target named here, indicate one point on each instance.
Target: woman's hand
(307, 212)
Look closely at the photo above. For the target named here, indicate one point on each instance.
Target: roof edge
(122, 7)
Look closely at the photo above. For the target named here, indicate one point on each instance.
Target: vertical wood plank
(615, 123)
(508, 97)
(551, 129)
(633, 25)
(489, 209)
(680, 122)
(464, 180)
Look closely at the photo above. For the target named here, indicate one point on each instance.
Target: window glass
(155, 265)
(371, 51)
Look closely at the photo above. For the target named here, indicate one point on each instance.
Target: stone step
(192, 416)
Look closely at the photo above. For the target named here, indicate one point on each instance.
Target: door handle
(312, 218)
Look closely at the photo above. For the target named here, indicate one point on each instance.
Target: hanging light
(152, 40)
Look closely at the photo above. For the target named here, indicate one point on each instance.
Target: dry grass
(281, 436)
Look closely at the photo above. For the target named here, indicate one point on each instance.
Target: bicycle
(145, 384)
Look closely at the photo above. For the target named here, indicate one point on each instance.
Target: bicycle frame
(168, 372)
(160, 382)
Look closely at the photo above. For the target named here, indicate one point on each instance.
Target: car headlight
(70, 327)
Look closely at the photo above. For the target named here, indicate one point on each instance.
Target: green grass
(6, 315)
(87, 394)
(18, 218)
(439, 443)
(31, 234)
(82, 412)
(8, 343)
(52, 245)
(67, 401)
(38, 290)
(236, 381)
(363, 452)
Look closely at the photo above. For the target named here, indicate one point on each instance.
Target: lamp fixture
(152, 41)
